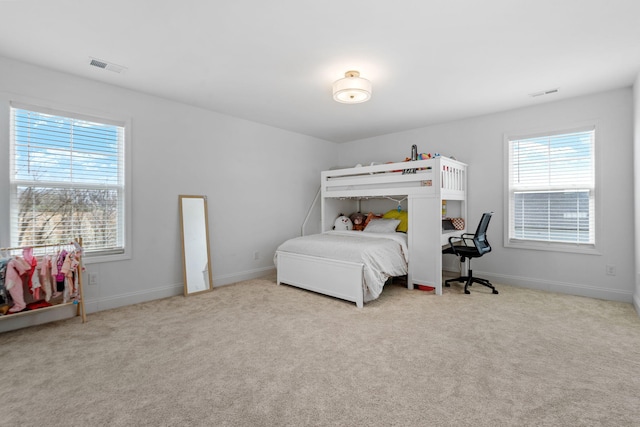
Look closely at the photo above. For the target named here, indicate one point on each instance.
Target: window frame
(83, 114)
(580, 248)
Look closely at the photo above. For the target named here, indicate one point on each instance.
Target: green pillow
(403, 216)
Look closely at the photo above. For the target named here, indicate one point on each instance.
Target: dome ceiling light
(352, 89)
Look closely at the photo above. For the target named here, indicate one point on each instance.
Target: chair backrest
(480, 238)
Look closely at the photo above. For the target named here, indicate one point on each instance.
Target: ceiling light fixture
(352, 89)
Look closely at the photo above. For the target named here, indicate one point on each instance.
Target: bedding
(371, 216)
(382, 226)
(383, 255)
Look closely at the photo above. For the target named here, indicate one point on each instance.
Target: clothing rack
(79, 268)
(50, 245)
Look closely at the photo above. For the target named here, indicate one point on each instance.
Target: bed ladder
(313, 204)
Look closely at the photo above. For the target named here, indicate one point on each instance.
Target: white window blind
(552, 188)
(67, 180)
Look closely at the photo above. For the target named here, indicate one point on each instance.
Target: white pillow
(382, 226)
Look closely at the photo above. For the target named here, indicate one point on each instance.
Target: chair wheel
(447, 285)
(466, 291)
(495, 291)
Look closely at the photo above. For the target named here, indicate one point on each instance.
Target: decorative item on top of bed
(414, 157)
(417, 156)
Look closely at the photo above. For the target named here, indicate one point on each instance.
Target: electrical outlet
(93, 279)
(610, 270)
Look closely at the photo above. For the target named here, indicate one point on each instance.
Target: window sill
(552, 247)
(98, 258)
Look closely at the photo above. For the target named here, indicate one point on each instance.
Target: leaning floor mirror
(195, 244)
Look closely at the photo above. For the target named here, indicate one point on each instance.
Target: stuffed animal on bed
(358, 220)
(343, 223)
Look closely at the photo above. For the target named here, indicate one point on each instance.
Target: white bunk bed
(425, 184)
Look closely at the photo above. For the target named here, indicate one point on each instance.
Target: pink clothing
(59, 274)
(17, 295)
(68, 274)
(66, 265)
(54, 269)
(27, 254)
(15, 268)
(45, 276)
(75, 261)
(73, 265)
(13, 282)
(48, 273)
(34, 286)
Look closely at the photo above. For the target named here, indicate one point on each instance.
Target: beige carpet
(258, 354)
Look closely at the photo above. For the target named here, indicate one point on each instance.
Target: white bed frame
(336, 278)
(429, 183)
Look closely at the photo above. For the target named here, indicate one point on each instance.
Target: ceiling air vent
(99, 63)
(544, 92)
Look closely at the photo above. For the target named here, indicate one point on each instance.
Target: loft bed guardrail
(440, 175)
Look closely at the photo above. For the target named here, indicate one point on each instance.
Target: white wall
(636, 182)
(259, 181)
(480, 143)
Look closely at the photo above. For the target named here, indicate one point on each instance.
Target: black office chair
(460, 246)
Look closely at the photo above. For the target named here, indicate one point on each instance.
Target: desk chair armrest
(464, 239)
(454, 239)
(467, 237)
(461, 238)
(458, 241)
(452, 243)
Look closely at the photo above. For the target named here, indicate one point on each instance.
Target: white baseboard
(525, 282)
(560, 287)
(99, 304)
(245, 275)
(107, 303)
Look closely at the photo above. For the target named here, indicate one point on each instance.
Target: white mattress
(383, 255)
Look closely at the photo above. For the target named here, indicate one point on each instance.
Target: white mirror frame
(194, 227)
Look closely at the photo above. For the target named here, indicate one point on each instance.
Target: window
(551, 194)
(67, 180)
